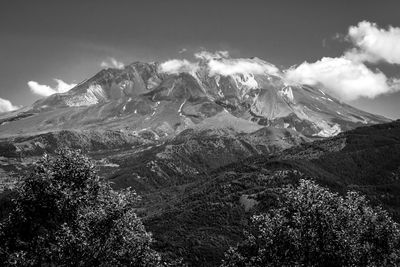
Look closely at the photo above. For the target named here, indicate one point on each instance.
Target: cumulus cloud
(219, 63)
(6, 106)
(373, 44)
(342, 78)
(347, 77)
(230, 66)
(45, 90)
(112, 63)
(205, 55)
(176, 66)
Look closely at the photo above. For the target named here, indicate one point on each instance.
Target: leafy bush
(65, 215)
(315, 227)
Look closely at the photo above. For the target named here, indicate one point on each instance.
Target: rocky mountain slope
(145, 162)
(143, 96)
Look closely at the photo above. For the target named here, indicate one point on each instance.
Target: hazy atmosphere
(48, 46)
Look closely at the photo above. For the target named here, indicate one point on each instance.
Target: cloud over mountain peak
(219, 63)
(347, 77)
(6, 105)
(341, 77)
(46, 90)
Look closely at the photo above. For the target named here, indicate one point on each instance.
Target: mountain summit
(171, 97)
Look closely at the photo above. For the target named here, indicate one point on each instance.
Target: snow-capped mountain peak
(144, 96)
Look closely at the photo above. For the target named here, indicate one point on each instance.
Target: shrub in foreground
(66, 215)
(315, 227)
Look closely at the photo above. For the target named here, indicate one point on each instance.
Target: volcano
(144, 97)
(166, 123)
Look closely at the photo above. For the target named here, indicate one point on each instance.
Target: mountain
(144, 97)
(142, 106)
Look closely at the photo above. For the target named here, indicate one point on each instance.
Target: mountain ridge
(143, 96)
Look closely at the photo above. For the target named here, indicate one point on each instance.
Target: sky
(349, 47)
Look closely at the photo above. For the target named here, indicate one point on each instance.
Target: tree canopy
(315, 227)
(64, 214)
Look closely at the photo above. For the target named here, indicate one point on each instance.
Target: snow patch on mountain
(217, 78)
(287, 93)
(245, 81)
(180, 108)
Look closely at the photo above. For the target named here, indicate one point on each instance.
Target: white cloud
(219, 63)
(176, 66)
(6, 105)
(342, 78)
(205, 55)
(347, 77)
(112, 63)
(231, 66)
(374, 44)
(45, 90)
(63, 87)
